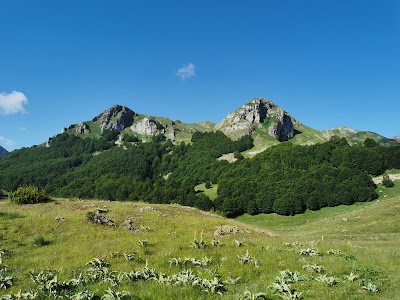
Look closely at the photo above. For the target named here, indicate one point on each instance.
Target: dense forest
(286, 179)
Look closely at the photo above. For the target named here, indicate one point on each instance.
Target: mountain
(128, 123)
(262, 114)
(123, 155)
(3, 151)
(267, 123)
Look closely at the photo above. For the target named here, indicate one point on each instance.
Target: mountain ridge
(265, 121)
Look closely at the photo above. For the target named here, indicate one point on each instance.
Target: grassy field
(195, 255)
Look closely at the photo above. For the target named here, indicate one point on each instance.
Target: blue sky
(328, 63)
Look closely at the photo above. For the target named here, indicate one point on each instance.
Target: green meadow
(54, 251)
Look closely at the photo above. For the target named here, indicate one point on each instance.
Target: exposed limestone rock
(242, 119)
(283, 128)
(171, 135)
(254, 114)
(49, 140)
(82, 128)
(116, 118)
(128, 225)
(147, 126)
(65, 129)
(103, 220)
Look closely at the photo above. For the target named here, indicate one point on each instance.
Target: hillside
(160, 171)
(358, 241)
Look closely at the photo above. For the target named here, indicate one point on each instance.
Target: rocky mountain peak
(257, 113)
(116, 118)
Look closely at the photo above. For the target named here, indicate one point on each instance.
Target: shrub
(28, 195)
(39, 240)
(387, 182)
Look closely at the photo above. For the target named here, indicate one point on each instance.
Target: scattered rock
(128, 225)
(227, 229)
(103, 220)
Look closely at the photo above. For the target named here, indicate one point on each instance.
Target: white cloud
(6, 143)
(12, 103)
(186, 71)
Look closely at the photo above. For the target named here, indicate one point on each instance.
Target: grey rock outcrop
(65, 129)
(116, 118)
(255, 114)
(146, 126)
(103, 220)
(283, 128)
(50, 139)
(129, 225)
(82, 128)
(171, 135)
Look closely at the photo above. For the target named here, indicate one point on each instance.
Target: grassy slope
(369, 241)
(369, 230)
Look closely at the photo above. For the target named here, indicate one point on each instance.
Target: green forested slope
(287, 178)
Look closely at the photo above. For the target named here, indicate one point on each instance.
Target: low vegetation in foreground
(70, 249)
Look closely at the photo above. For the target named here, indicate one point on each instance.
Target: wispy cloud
(6, 143)
(186, 71)
(12, 103)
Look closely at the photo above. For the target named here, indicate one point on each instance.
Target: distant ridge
(3, 151)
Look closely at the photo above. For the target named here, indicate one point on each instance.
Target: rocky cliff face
(116, 118)
(147, 126)
(3, 151)
(256, 114)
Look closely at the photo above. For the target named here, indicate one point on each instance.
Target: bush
(387, 182)
(39, 240)
(28, 195)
